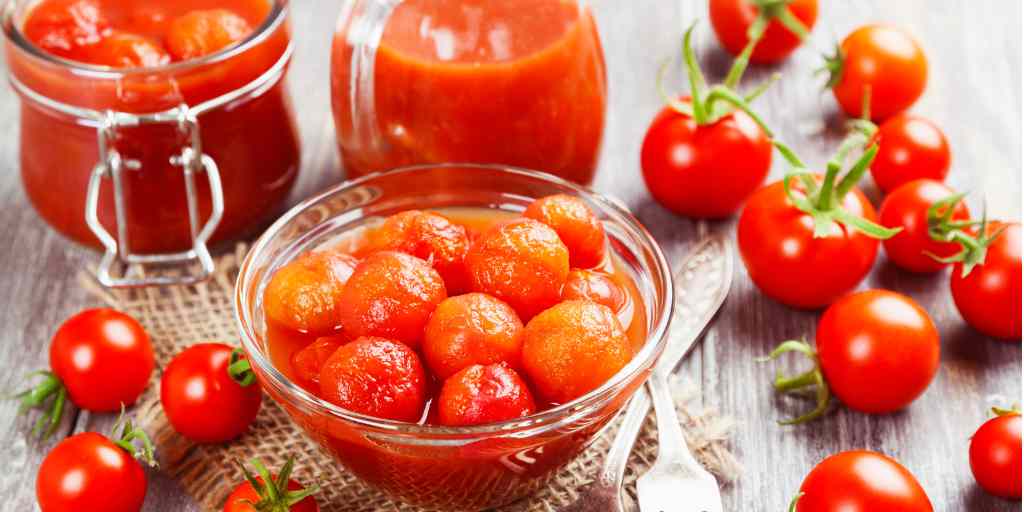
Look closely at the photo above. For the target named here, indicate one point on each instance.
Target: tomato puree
(518, 83)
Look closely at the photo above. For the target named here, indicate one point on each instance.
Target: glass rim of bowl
(643, 360)
(275, 18)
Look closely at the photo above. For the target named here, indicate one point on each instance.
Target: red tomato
(125, 50)
(282, 494)
(889, 62)
(201, 398)
(202, 32)
(62, 26)
(989, 298)
(909, 148)
(704, 171)
(878, 350)
(861, 481)
(103, 357)
(788, 263)
(907, 207)
(732, 19)
(996, 456)
(87, 471)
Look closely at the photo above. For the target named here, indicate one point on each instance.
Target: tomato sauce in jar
(154, 78)
(517, 83)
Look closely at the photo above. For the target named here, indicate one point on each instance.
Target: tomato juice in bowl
(424, 463)
(487, 81)
(146, 131)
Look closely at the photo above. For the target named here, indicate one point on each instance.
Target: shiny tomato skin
(888, 60)
(202, 401)
(89, 472)
(989, 298)
(879, 350)
(103, 357)
(242, 498)
(907, 208)
(704, 171)
(909, 148)
(995, 456)
(791, 266)
(732, 18)
(861, 481)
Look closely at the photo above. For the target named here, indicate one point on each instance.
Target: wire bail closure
(111, 165)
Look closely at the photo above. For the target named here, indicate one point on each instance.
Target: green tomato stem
(696, 78)
(754, 35)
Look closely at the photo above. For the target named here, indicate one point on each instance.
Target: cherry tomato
(88, 471)
(861, 481)
(376, 376)
(909, 148)
(577, 226)
(306, 363)
(788, 263)
(596, 287)
(907, 208)
(731, 20)
(704, 171)
(281, 494)
(125, 50)
(479, 394)
(62, 26)
(996, 456)
(878, 350)
(103, 357)
(204, 32)
(889, 62)
(203, 400)
(989, 298)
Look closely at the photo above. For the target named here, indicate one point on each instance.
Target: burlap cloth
(179, 316)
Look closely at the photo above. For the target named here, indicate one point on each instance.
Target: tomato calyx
(274, 493)
(130, 433)
(51, 390)
(801, 382)
(1014, 410)
(768, 10)
(822, 202)
(792, 504)
(833, 65)
(973, 249)
(240, 370)
(707, 105)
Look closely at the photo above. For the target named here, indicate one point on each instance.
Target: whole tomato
(789, 263)
(909, 148)
(883, 62)
(732, 20)
(989, 296)
(704, 171)
(879, 350)
(861, 481)
(995, 455)
(209, 393)
(267, 493)
(88, 471)
(907, 207)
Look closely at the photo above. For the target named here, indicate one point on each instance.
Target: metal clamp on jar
(119, 144)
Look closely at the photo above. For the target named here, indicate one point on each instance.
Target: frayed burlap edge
(179, 316)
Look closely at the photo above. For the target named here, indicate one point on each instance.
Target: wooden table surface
(974, 94)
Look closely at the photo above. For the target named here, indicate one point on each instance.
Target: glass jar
(153, 164)
(449, 468)
(487, 81)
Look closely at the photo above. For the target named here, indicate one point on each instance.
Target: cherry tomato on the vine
(704, 171)
(732, 19)
(907, 207)
(788, 263)
(861, 481)
(989, 297)
(881, 61)
(88, 471)
(879, 350)
(264, 492)
(909, 148)
(995, 455)
(209, 393)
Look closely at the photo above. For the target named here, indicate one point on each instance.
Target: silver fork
(677, 482)
(701, 286)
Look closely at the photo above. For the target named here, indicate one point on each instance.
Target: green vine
(49, 391)
(274, 493)
(801, 382)
(129, 434)
(973, 248)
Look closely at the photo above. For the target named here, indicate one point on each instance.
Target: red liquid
(254, 141)
(480, 475)
(517, 83)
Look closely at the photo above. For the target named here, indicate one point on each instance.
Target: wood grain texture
(973, 93)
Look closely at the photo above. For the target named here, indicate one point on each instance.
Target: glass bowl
(445, 468)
